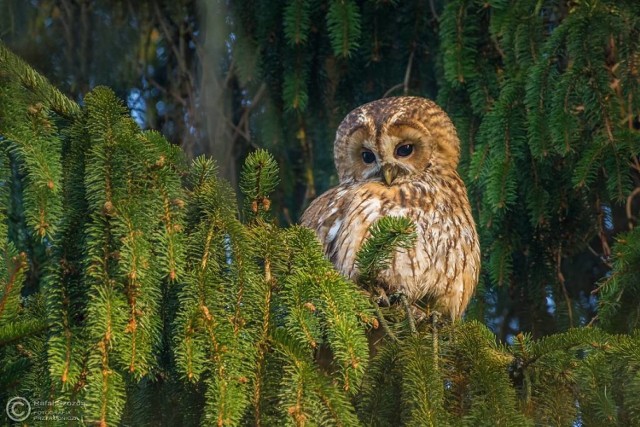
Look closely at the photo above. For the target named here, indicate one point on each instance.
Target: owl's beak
(389, 173)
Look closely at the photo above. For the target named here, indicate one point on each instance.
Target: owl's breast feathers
(443, 266)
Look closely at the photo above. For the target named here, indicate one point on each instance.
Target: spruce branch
(63, 285)
(337, 300)
(10, 333)
(422, 381)
(308, 394)
(260, 176)
(297, 21)
(294, 90)
(383, 321)
(408, 314)
(388, 235)
(323, 308)
(343, 21)
(490, 389)
(20, 72)
(202, 170)
(34, 146)
(380, 400)
(14, 272)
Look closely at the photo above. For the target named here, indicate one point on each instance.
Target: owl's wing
(322, 213)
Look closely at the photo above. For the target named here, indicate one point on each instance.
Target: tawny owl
(398, 157)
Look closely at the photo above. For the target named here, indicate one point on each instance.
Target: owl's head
(395, 139)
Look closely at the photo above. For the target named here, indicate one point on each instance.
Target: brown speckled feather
(442, 268)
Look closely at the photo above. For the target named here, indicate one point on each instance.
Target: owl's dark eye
(404, 150)
(368, 156)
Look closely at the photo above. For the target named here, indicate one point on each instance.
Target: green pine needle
(388, 235)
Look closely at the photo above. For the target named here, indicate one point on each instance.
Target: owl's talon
(436, 318)
(382, 298)
(396, 297)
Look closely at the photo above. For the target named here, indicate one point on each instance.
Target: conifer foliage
(545, 97)
(150, 280)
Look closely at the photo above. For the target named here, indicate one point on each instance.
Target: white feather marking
(467, 235)
(394, 116)
(333, 231)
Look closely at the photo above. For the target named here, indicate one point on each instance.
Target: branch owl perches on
(398, 157)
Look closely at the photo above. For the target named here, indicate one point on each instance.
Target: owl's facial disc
(392, 153)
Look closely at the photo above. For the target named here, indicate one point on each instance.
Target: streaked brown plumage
(442, 268)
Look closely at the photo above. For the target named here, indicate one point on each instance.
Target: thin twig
(432, 6)
(173, 93)
(169, 37)
(600, 257)
(410, 320)
(593, 320)
(244, 120)
(630, 217)
(434, 333)
(383, 322)
(392, 89)
(562, 284)
(407, 73)
(407, 76)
